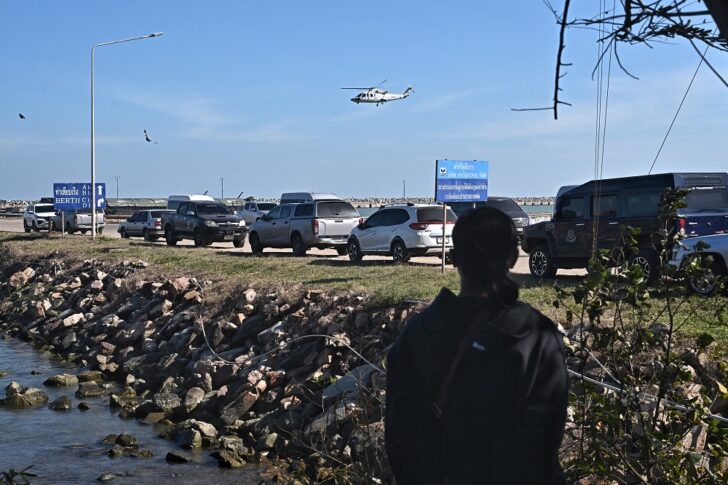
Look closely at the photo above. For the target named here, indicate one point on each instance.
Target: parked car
(303, 197)
(712, 255)
(402, 231)
(596, 210)
(145, 223)
(78, 220)
(38, 216)
(253, 210)
(320, 224)
(173, 201)
(506, 204)
(204, 222)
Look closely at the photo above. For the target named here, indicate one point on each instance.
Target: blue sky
(249, 91)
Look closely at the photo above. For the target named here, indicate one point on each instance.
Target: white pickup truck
(318, 224)
(79, 220)
(252, 211)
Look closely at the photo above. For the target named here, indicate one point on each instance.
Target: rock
(177, 457)
(154, 417)
(17, 396)
(249, 296)
(106, 477)
(73, 320)
(61, 380)
(228, 459)
(21, 278)
(89, 389)
(267, 442)
(193, 398)
(3, 373)
(115, 451)
(83, 406)
(361, 321)
(193, 296)
(166, 401)
(141, 453)
(188, 438)
(236, 409)
(127, 441)
(90, 375)
(61, 404)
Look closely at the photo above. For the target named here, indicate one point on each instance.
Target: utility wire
(672, 123)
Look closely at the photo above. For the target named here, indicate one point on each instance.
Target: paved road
(16, 225)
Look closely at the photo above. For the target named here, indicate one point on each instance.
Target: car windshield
(434, 214)
(506, 205)
(331, 209)
(707, 199)
(265, 206)
(211, 208)
(43, 208)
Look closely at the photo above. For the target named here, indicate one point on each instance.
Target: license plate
(438, 240)
(229, 237)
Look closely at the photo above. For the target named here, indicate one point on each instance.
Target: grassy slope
(386, 282)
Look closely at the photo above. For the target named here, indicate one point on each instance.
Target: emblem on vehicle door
(570, 236)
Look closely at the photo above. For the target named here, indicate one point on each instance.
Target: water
(65, 446)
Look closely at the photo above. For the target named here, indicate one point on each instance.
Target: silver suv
(38, 216)
(402, 231)
(319, 224)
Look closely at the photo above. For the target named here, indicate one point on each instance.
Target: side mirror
(190, 213)
(363, 226)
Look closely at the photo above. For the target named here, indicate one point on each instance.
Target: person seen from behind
(477, 388)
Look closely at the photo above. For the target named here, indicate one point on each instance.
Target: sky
(249, 91)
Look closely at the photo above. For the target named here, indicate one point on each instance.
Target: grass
(385, 282)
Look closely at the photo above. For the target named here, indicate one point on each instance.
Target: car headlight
(211, 223)
(241, 223)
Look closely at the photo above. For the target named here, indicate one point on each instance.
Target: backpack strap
(438, 406)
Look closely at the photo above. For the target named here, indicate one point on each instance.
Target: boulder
(17, 396)
(193, 398)
(72, 320)
(177, 457)
(89, 389)
(127, 441)
(236, 409)
(166, 401)
(228, 459)
(61, 404)
(90, 375)
(61, 380)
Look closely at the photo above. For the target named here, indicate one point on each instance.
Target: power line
(669, 129)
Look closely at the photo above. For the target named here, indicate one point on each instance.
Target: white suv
(38, 216)
(401, 231)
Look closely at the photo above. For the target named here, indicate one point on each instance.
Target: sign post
(459, 181)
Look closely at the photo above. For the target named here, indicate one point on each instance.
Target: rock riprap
(18, 396)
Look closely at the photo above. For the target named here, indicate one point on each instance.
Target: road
(16, 225)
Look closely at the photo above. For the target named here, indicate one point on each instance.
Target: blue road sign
(78, 196)
(461, 181)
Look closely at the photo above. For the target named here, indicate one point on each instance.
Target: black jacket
(504, 419)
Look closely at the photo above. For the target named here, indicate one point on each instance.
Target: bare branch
(559, 57)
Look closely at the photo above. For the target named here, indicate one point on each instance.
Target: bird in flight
(21, 115)
(149, 140)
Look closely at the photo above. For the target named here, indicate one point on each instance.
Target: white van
(173, 201)
(303, 197)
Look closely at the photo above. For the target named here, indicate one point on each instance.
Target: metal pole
(63, 224)
(444, 227)
(93, 152)
(222, 187)
(117, 186)
(404, 190)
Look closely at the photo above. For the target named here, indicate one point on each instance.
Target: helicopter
(376, 94)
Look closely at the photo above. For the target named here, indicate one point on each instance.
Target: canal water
(65, 446)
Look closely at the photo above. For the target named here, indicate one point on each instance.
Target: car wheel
(238, 243)
(255, 244)
(123, 234)
(541, 263)
(100, 231)
(25, 227)
(35, 227)
(648, 261)
(83, 231)
(399, 252)
(299, 249)
(342, 251)
(146, 235)
(169, 236)
(707, 282)
(198, 238)
(354, 251)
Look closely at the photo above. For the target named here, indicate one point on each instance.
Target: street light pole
(117, 185)
(93, 135)
(222, 187)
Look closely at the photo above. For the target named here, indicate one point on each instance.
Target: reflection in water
(65, 446)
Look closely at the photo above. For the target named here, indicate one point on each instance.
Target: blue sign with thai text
(461, 181)
(78, 196)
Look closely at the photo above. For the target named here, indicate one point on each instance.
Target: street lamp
(93, 136)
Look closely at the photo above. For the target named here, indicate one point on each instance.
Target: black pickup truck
(205, 223)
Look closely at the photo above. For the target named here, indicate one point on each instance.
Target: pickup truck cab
(320, 224)
(595, 211)
(204, 222)
(78, 220)
(253, 210)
